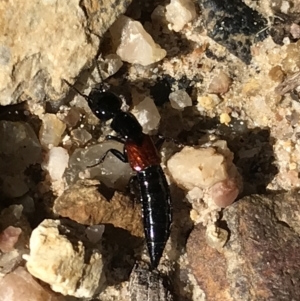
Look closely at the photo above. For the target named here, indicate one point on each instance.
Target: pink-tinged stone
(8, 238)
(224, 193)
(20, 285)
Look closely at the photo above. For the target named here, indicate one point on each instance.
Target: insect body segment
(155, 199)
(140, 156)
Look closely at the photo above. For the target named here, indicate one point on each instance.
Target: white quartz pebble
(180, 99)
(147, 114)
(135, 45)
(179, 13)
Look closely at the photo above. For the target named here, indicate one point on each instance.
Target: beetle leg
(121, 156)
(118, 139)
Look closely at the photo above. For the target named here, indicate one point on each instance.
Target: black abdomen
(156, 204)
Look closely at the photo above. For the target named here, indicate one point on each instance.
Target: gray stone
(83, 164)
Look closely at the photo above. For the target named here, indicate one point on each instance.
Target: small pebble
(63, 261)
(291, 63)
(147, 114)
(8, 238)
(224, 193)
(51, 131)
(209, 102)
(72, 117)
(220, 83)
(158, 17)
(58, 159)
(94, 233)
(201, 167)
(180, 99)
(179, 13)
(225, 118)
(295, 31)
(276, 74)
(135, 45)
(81, 135)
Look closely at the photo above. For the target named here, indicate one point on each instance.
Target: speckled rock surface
(208, 266)
(61, 256)
(42, 42)
(260, 261)
(234, 25)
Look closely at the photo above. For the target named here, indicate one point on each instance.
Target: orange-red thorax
(143, 155)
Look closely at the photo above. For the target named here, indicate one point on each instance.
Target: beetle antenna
(75, 89)
(99, 71)
(102, 85)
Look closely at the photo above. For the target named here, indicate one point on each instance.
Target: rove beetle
(141, 153)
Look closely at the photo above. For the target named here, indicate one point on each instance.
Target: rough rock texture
(60, 256)
(199, 167)
(208, 266)
(84, 204)
(61, 39)
(148, 285)
(20, 285)
(260, 261)
(234, 25)
(209, 177)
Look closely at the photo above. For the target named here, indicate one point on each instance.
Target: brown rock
(208, 266)
(276, 74)
(288, 211)
(84, 204)
(263, 252)
(220, 83)
(8, 238)
(261, 260)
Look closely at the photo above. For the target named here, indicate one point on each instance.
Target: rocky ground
(219, 80)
